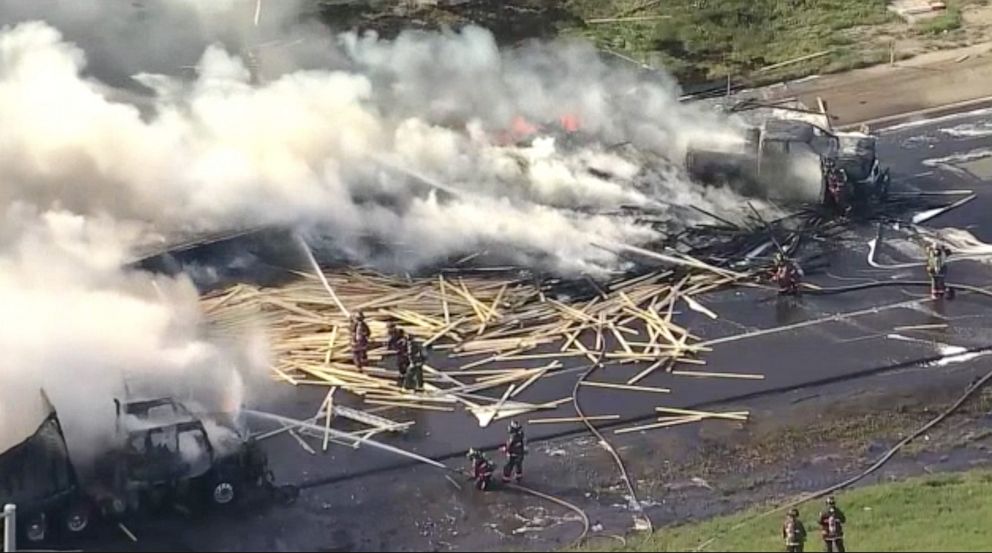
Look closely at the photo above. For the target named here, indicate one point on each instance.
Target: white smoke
(396, 151)
(76, 326)
(316, 147)
(125, 38)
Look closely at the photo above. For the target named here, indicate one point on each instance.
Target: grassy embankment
(936, 513)
(701, 40)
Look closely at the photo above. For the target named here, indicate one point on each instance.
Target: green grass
(939, 513)
(711, 38)
(946, 22)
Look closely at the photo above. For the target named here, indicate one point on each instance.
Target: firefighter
(360, 334)
(937, 269)
(414, 378)
(515, 449)
(482, 470)
(399, 343)
(393, 333)
(794, 533)
(837, 188)
(787, 274)
(832, 527)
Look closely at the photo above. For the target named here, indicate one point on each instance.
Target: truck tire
(77, 518)
(224, 492)
(36, 529)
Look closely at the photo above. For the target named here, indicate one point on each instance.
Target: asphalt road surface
(845, 336)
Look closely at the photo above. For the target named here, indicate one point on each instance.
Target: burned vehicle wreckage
(794, 159)
(165, 454)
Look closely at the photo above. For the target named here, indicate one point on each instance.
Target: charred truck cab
(858, 159)
(38, 477)
(168, 455)
(793, 159)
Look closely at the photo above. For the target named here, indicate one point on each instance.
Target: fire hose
(634, 502)
(583, 517)
(887, 283)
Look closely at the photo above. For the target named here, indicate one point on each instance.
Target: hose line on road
(972, 389)
(634, 502)
(584, 518)
(888, 283)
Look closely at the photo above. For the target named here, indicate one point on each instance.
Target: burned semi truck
(794, 160)
(37, 475)
(165, 454)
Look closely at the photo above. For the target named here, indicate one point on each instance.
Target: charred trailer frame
(38, 477)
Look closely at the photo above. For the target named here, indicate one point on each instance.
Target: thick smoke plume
(78, 327)
(179, 116)
(337, 148)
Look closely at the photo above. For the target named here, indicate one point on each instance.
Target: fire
(570, 122)
(522, 128)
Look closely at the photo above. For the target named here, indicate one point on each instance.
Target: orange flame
(570, 122)
(522, 128)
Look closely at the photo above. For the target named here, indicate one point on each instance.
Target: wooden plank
(342, 435)
(444, 299)
(330, 345)
(306, 447)
(562, 420)
(698, 307)
(625, 387)
(448, 328)
(665, 424)
(329, 407)
(701, 374)
(320, 274)
(236, 290)
(497, 407)
(623, 343)
(526, 384)
(409, 405)
(285, 376)
(551, 355)
(735, 415)
(492, 310)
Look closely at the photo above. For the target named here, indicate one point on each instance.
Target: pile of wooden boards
(483, 323)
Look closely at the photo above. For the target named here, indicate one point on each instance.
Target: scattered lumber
(663, 424)
(512, 332)
(736, 415)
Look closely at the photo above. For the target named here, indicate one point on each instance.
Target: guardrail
(9, 528)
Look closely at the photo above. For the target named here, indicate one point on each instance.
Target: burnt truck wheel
(223, 493)
(77, 519)
(36, 529)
